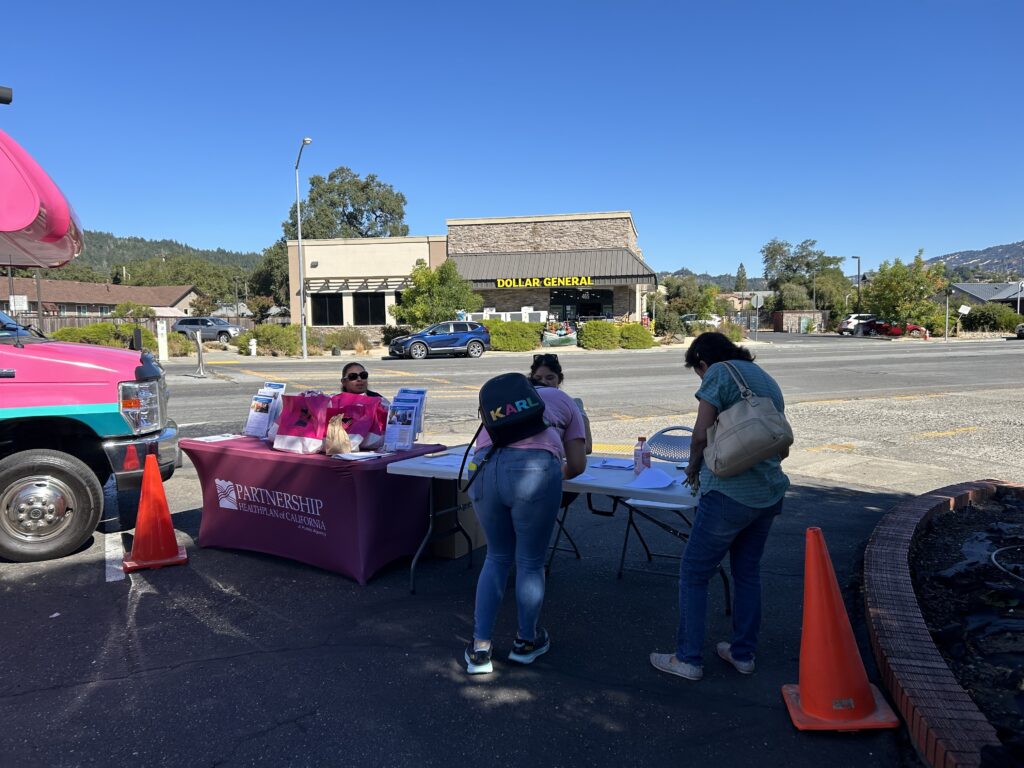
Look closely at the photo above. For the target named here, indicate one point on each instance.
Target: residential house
(70, 298)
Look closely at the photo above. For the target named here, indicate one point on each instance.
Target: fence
(50, 323)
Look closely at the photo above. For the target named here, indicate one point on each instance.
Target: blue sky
(876, 128)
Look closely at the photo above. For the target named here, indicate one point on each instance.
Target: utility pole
(858, 282)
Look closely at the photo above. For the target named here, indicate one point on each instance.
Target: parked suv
(448, 338)
(877, 327)
(213, 328)
(850, 322)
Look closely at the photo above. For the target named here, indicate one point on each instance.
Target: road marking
(845, 447)
(947, 433)
(612, 448)
(193, 424)
(263, 375)
(114, 552)
(224, 362)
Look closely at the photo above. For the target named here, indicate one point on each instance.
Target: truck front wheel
(50, 503)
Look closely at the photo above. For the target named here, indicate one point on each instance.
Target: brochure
(258, 421)
(216, 438)
(416, 396)
(400, 432)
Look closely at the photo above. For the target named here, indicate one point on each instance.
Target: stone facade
(549, 233)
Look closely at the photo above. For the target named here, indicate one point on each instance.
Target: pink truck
(72, 416)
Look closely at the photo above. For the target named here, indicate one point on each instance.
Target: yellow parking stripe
(612, 448)
(948, 432)
(845, 447)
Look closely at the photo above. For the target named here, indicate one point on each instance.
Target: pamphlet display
(405, 419)
(264, 409)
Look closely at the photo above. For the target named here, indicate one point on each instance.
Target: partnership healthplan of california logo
(226, 497)
(304, 511)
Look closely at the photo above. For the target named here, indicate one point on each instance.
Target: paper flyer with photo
(400, 432)
(273, 386)
(258, 421)
(418, 396)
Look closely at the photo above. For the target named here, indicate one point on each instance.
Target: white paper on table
(652, 478)
(615, 464)
(446, 460)
(215, 438)
(363, 456)
(584, 477)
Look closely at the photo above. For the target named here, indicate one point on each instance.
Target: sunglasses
(361, 375)
(546, 356)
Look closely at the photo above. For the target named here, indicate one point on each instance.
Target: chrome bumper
(128, 457)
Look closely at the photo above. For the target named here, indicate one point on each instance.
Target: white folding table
(618, 484)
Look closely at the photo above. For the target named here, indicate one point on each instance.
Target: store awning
(554, 269)
(38, 228)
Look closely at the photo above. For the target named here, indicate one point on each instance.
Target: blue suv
(448, 338)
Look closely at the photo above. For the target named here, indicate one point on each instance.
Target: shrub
(278, 340)
(105, 335)
(732, 331)
(991, 317)
(635, 336)
(598, 335)
(668, 324)
(391, 332)
(178, 345)
(344, 338)
(515, 336)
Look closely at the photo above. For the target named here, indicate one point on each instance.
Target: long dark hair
(712, 347)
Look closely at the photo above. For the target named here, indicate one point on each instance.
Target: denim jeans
(722, 526)
(516, 497)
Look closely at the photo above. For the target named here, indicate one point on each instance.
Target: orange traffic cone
(154, 545)
(834, 693)
(131, 459)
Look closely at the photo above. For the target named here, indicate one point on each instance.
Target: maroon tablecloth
(346, 516)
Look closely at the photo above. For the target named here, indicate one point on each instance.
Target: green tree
(345, 205)
(130, 309)
(270, 276)
(260, 307)
(435, 295)
(792, 296)
(785, 264)
(202, 306)
(741, 278)
(902, 293)
(682, 294)
(214, 280)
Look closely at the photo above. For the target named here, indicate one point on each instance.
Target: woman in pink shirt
(516, 497)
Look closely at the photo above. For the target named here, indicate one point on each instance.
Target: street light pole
(858, 282)
(302, 267)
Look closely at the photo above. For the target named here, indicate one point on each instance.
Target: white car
(850, 322)
(712, 320)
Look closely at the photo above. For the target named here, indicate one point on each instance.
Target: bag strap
(458, 480)
(745, 391)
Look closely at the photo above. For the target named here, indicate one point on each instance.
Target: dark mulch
(975, 609)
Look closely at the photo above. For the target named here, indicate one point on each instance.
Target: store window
(369, 308)
(327, 309)
(571, 304)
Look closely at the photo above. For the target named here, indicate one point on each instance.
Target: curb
(945, 725)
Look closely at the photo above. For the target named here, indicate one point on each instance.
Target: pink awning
(38, 227)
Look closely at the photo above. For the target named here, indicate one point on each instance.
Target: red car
(882, 328)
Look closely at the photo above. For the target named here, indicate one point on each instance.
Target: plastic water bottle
(641, 456)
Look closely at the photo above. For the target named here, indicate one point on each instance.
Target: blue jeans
(722, 526)
(516, 496)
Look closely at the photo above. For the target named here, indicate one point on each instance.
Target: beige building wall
(369, 257)
(560, 232)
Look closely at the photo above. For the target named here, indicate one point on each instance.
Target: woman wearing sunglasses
(355, 379)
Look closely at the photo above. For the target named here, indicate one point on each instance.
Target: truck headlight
(141, 405)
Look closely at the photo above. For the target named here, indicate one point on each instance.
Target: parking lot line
(114, 555)
(947, 433)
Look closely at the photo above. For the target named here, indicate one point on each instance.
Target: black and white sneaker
(478, 662)
(525, 651)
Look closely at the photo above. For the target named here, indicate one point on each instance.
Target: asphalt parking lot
(244, 659)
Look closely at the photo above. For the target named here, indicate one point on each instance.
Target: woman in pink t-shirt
(516, 498)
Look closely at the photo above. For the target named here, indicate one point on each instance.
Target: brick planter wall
(946, 727)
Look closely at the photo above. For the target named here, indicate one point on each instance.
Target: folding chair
(669, 444)
(567, 500)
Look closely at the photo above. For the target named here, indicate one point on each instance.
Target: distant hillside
(996, 262)
(726, 282)
(103, 251)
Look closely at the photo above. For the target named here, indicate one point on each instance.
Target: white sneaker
(667, 662)
(743, 667)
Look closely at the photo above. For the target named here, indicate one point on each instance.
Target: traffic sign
(19, 302)
(757, 301)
